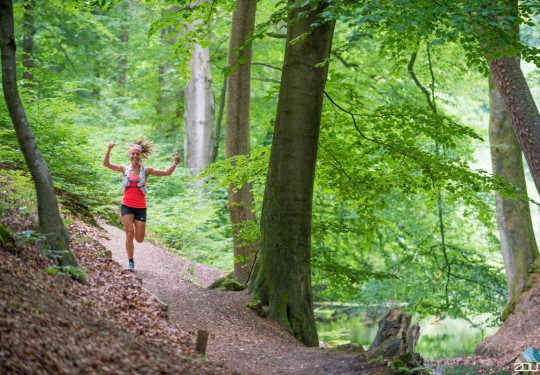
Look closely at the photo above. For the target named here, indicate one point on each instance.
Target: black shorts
(139, 213)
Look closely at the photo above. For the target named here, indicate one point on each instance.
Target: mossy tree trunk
(53, 234)
(518, 243)
(282, 272)
(237, 133)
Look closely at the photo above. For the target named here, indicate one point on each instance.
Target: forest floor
(119, 324)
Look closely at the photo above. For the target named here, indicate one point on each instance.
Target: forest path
(239, 339)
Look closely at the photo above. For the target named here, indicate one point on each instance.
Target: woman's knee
(130, 234)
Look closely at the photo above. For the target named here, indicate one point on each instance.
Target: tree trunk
(518, 243)
(29, 30)
(199, 111)
(282, 273)
(53, 234)
(518, 100)
(217, 135)
(395, 341)
(237, 134)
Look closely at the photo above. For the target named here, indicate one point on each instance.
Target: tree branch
(410, 68)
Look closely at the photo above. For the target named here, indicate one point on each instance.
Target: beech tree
(53, 239)
(512, 86)
(237, 133)
(282, 271)
(199, 109)
(518, 243)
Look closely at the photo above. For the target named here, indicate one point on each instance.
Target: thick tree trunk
(54, 236)
(199, 112)
(282, 273)
(29, 30)
(518, 243)
(518, 100)
(237, 134)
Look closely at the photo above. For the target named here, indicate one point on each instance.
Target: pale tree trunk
(199, 111)
(237, 134)
(53, 234)
(282, 273)
(29, 30)
(518, 242)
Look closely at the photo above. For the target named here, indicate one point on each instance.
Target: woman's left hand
(176, 158)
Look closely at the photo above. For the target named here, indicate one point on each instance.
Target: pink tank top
(133, 196)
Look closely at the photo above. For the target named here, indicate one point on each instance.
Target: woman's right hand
(111, 145)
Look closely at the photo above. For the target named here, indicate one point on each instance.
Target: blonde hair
(146, 147)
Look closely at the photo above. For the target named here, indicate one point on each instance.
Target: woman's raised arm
(107, 163)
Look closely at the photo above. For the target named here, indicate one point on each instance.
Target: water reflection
(438, 338)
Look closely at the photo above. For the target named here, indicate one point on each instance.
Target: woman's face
(135, 156)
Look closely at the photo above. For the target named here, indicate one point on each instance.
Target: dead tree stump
(202, 340)
(395, 341)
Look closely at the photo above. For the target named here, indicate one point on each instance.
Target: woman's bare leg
(130, 234)
(140, 230)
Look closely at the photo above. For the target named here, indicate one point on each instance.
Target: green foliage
(239, 170)
(18, 193)
(77, 273)
(335, 337)
(385, 158)
(485, 29)
(199, 16)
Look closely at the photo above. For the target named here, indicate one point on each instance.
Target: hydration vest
(141, 182)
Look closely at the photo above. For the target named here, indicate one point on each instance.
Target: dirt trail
(239, 339)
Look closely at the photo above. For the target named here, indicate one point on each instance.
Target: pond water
(438, 338)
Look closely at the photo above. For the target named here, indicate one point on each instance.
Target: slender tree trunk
(237, 134)
(217, 135)
(54, 236)
(282, 273)
(518, 242)
(199, 111)
(29, 30)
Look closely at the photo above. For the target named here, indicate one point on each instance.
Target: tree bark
(53, 234)
(518, 100)
(282, 273)
(237, 134)
(518, 243)
(199, 111)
